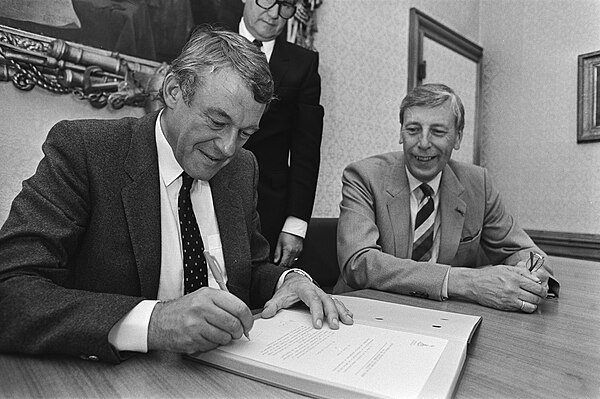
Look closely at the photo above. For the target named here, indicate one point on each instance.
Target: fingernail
(335, 323)
(319, 323)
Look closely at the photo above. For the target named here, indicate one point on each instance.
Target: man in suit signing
(287, 146)
(103, 250)
(414, 222)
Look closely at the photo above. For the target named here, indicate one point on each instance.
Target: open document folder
(391, 351)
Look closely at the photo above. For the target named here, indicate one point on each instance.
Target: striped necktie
(195, 274)
(423, 234)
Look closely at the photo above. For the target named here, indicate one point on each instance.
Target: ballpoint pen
(215, 268)
(535, 261)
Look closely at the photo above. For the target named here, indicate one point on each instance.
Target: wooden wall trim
(571, 245)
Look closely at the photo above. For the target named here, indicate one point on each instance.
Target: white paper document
(383, 362)
(391, 351)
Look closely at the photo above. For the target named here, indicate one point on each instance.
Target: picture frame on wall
(588, 97)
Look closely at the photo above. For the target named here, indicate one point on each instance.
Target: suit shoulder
(108, 130)
(467, 172)
(244, 161)
(378, 161)
(297, 52)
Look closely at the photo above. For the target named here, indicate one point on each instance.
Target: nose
(424, 140)
(273, 12)
(227, 143)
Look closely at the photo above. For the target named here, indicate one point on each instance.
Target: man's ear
(459, 136)
(171, 91)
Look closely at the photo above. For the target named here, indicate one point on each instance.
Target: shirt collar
(413, 182)
(267, 47)
(168, 167)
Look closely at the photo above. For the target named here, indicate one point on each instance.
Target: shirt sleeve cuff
(131, 332)
(445, 286)
(295, 270)
(295, 226)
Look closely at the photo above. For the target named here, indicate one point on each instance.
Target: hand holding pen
(535, 262)
(215, 269)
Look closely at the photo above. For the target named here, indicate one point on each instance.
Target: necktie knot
(427, 190)
(257, 43)
(187, 181)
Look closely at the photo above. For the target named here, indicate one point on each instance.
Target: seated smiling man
(414, 222)
(92, 253)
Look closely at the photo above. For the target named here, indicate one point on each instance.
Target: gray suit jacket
(374, 227)
(81, 245)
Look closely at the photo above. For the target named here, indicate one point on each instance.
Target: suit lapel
(452, 213)
(279, 62)
(229, 211)
(141, 202)
(398, 211)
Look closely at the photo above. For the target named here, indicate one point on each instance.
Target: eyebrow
(211, 111)
(217, 112)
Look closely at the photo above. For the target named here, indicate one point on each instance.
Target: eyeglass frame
(281, 3)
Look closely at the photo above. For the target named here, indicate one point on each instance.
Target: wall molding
(571, 245)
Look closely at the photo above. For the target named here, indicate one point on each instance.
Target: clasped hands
(209, 317)
(501, 287)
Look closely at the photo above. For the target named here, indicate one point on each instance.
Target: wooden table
(553, 353)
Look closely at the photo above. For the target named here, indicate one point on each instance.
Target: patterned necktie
(423, 237)
(194, 263)
(257, 43)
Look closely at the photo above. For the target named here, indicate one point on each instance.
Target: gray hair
(432, 95)
(210, 49)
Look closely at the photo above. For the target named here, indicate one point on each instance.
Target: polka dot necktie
(423, 237)
(194, 263)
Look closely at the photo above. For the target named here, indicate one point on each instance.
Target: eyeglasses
(534, 262)
(286, 9)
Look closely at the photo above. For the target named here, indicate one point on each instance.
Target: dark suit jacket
(292, 128)
(81, 245)
(374, 228)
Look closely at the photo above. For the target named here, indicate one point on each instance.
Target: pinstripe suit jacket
(81, 245)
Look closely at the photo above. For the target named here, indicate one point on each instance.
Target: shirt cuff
(295, 226)
(445, 286)
(295, 270)
(131, 332)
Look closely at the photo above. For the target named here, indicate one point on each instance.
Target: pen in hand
(215, 268)
(535, 262)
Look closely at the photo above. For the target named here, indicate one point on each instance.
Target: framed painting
(588, 95)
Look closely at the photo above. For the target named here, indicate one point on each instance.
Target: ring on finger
(522, 305)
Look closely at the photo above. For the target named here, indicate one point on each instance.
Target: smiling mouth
(423, 159)
(213, 159)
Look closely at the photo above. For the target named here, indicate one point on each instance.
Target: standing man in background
(288, 144)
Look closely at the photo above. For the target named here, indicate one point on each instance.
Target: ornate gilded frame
(101, 77)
